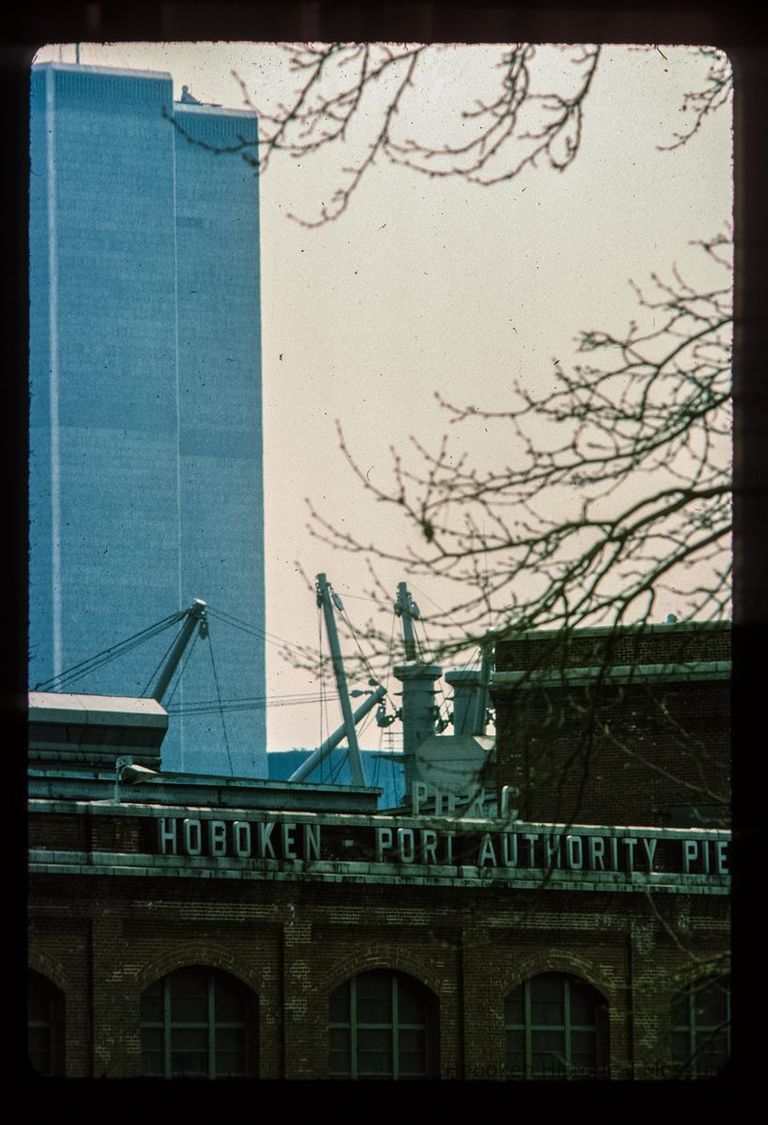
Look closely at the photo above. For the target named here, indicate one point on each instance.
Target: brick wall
(104, 940)
(649, 750)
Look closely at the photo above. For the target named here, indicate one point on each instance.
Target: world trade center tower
(146, 470)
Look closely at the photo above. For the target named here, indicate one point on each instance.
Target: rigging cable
(77, 671)
(221, 710)
(253, 703)
(254, 630)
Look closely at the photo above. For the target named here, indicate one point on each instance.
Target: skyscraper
(146, 481)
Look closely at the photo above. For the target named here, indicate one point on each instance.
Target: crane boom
(195, 614)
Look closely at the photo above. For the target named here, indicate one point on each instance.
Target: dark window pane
(229, 1008)
(547, 1014)
(548, 1041)
(515, 1042)
(373, 1062)
(548, 986)
(189, 1009)
(549, 1048)
(515, 1064)
(700, 1038)
(38, 1005)
(340, 1064)
(710, 1007)
(548, 1066)
(681, 1046)
(412, 1004)
(189, 1065)
(189, 1039)
(339, 1004)
(230, 1038)
(515, 1008)
(370, 1040)
(45, 1026)
(680, 1010)
(374, 986)
(152, 1007)
(152, 1064)
(152, 1038)
(584, 1060)
(585, 1004)
(230, 1064)
(412, 1064)
(188, 1028)
(339, 1039)
(374, 998)
(583, 1042)
(412, 1040)
(364, 1009)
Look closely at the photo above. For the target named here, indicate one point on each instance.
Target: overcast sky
(435, 285)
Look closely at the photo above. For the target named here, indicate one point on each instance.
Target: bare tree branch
(367, 100)
(636, 452)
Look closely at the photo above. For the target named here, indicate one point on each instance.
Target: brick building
(216, 926)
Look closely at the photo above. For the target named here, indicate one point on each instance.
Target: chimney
(469, 700)
(419, 713)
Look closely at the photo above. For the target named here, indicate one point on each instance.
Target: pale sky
(431, 285)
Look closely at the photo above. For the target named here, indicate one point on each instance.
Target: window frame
(599, 1029)
(394, 1027)
(53, 1023)
(167, 1024)
(699, 1034)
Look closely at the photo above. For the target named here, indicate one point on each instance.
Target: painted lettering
(241, 833)
(193, 836)
(384, 838)
(574, 852)
(509, 849)
(311, 841)
(217, 837)
(167, 833)
(597, 853)
(552, 845)
(418, 796)
(690, 852)
(428, 840)
(406, 845)
(265, 842)
(531, 837)
(487, 853)
(289, 842)
(630, 843)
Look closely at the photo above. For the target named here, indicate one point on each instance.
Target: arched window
(383, 1025)
(556, 1027)
(701, 1027)
(198, 1023)
(45, 1026)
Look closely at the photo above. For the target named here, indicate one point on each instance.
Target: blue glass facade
(146, 483)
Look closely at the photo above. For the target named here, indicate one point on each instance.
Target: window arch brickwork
(556, 1026)
(383, 1024)
(198, 1022)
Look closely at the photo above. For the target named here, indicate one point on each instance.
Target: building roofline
(213, 110)
(120, 72)
(639, 627)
